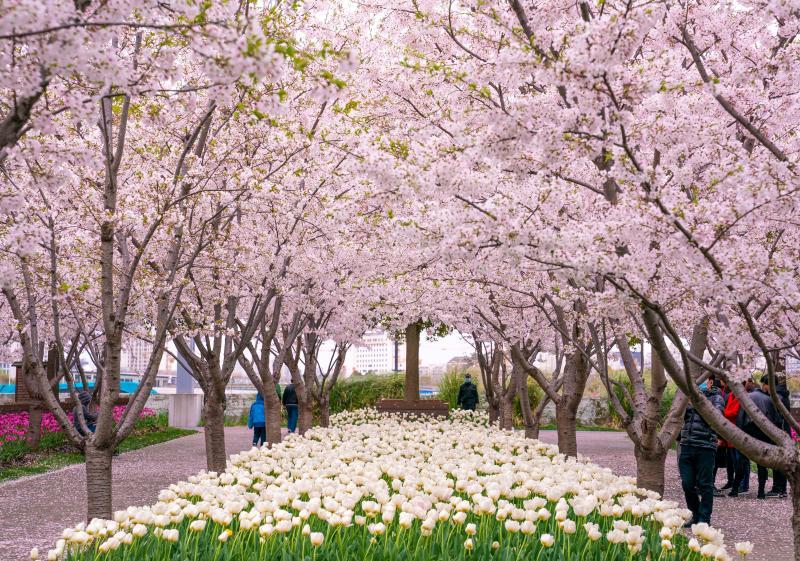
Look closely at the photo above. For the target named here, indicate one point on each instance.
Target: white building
(136, 355)
(376, 353)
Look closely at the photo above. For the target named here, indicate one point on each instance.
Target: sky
(433, 353)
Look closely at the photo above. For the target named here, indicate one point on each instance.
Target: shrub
(358, 392)
(616, 420)
(535, 395)
(449, 386)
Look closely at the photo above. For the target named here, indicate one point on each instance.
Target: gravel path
(34, 510)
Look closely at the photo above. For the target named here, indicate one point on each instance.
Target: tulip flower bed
(18, 460)
(13, 426)
(379, 488)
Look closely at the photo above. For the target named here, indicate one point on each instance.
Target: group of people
(702, 453)
(257, 420)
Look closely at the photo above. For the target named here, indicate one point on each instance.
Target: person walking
(84, 399)
(289, 401)
(256, 420)
(698, 447)
(468, 394)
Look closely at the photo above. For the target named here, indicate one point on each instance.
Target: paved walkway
(766, 523)
(34, 510)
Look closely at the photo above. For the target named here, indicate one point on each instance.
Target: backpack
(732, 408)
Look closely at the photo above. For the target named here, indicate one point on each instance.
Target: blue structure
(124, 387)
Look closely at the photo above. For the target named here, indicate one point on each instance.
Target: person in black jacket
(778, 477)
(760, 397)
(289, 401)
(468, 394)
(698, 448)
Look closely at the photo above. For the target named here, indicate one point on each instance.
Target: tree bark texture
(575, 375)
(529, 420)
(411, 391)
(272, 415)
(214, 432)
(325, 412)
(650, 468)
(566, 425)
(305, 416)
(98, 482)
(33, 435)
(507, 411)
(494, 414)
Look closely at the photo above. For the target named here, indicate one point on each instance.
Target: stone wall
(238, 403)
(592, 412)
(158, 403)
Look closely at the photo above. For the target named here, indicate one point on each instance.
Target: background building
(376, 353)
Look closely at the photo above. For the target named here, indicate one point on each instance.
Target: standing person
(468, 394)
(289, 401)
(778, 477)
(256, 420)
(84, 398)
(724, 456)
(696, 458)
(763, 401)
(741, 464)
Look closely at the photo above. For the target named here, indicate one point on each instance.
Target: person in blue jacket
(257, 422)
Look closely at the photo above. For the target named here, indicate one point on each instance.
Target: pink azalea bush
(13, 426)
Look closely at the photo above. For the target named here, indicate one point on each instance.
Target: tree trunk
(33, 436)
(650, 469)
(411, 391)
(494, 413)
(98, 482)
(529, 420)
(305, 415)
(507, 412)
(566, 426)
(325, 412)
(214, 432)
(272, 415)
